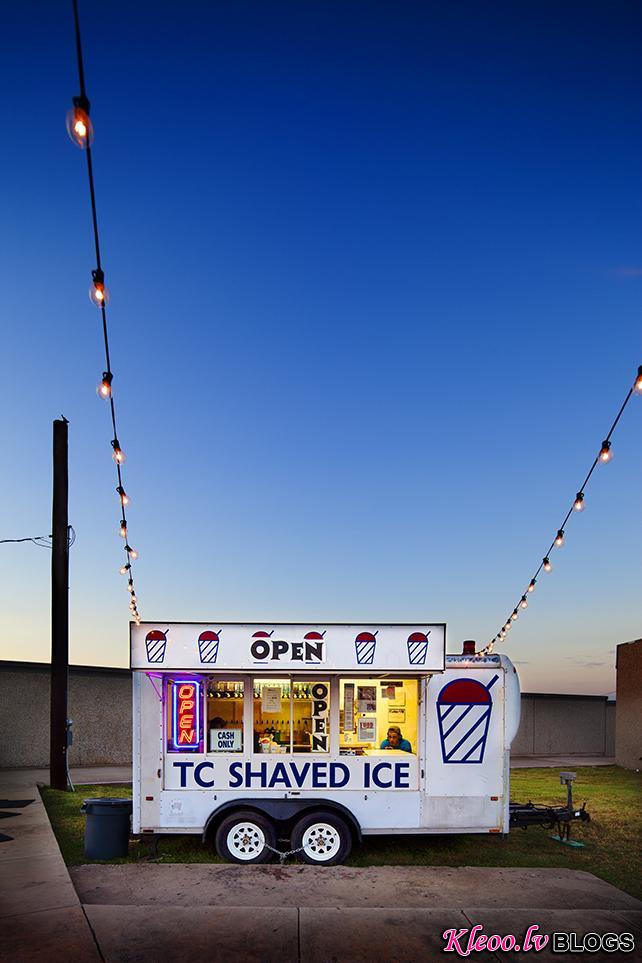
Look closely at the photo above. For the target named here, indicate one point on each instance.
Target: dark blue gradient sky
(376, 278)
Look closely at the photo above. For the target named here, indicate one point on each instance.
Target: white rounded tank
(512, 699)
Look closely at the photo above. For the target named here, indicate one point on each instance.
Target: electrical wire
(40, 539)
(578, 504)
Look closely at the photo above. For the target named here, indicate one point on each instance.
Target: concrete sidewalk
(290, 914)
(40, 914)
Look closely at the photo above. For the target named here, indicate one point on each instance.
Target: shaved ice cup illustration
(208, 643)
(156, 644)
(365, 645)
(418, 648)
(463, 711)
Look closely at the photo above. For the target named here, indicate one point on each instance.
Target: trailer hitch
(550, 817)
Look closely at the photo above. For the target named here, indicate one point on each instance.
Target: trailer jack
(552, 817)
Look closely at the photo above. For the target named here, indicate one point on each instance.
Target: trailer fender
(283, 811)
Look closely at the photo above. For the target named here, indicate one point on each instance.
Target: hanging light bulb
(515, 615)
(546, 562)
(578, 504)
(131, 552)
(559, 538)
(104, 388)
(119, 455)
(524, 602)
(637, 385)
(123, 528)
(130, 586)
(124, 497)
(605, 453)
(124, 569)
(79, 126)
(531, 585)
(98, 293)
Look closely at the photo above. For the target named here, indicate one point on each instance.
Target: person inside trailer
(395, 740)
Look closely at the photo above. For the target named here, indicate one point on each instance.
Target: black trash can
(107, 827)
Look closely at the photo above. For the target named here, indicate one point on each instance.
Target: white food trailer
(278, 737)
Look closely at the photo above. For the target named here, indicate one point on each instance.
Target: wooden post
(59, 609)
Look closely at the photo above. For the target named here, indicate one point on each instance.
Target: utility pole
(59, 608)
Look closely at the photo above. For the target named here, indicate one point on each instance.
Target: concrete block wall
(99, 704)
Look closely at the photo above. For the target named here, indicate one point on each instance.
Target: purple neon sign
(186, 715)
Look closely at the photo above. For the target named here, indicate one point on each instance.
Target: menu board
(348, 707)
(271, 698)
(367, 731)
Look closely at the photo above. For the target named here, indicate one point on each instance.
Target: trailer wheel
(324, 838)
(245, 837)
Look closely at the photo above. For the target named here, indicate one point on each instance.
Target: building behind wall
(628, 717)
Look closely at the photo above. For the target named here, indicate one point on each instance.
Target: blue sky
(376, 283)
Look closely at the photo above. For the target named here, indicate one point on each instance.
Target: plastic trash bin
(107, 827)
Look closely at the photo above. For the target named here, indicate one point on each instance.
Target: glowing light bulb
(104, 388)
(124, 497)
(578, 504)
(531, 586)
(547, 564)
(131, 552)
(637, 386)
(559, 538)
(123, 529)
(515, 615)
(119, 455)
(125, 568)
(79, 126)
(524, 602)
(98, 293)
(605, 453)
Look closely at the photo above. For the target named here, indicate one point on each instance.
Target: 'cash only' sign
(351, 772)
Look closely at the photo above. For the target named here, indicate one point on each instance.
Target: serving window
(291, 716)
(378, 716)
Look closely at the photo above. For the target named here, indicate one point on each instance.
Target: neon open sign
(186, 714)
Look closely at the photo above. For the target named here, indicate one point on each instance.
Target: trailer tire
(324, 837)
(245, 837)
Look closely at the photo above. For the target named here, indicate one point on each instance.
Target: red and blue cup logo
(208, 645)
(366, 646)
(418, 648)
(463, 712)
(156, 645)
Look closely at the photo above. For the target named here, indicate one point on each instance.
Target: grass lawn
(612, 837)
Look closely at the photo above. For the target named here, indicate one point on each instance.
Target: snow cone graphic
(156, 644)
(463, 711)
(208, 643)
(418, 647)
(366, 645)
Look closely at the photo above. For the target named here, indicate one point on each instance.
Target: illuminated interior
(369, 708)
(376, 716)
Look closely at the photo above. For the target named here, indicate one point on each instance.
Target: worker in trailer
(395, 740)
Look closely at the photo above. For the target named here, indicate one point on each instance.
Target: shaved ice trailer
(270, 738)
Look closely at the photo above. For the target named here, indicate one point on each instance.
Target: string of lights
(603, 457)
(81, 132)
